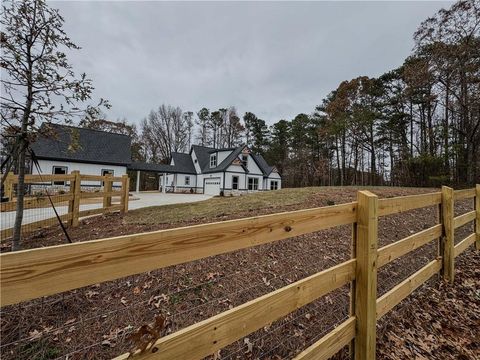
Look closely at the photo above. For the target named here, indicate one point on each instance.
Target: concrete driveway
(142, 200)
(147, 199)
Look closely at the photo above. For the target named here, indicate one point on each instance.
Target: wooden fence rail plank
(43, 178)
(36, 202)
(206, 337)
(100, 194)
(405, 203)
(464, 244)
(331, 343)
(390, 299)
(464, 194)
(29, 274)
(402, 247)
(464, 219)
(99, 178)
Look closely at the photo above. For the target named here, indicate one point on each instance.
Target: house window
(106, 172)
(245, 160)
(187, 180)
(235, 182)
(252, 183)
(59, 170)
(213, 160)
(273, 185)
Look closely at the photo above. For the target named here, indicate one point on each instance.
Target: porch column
(137, 185)
(164, 180)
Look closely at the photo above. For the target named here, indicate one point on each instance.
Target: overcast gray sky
(276, 59)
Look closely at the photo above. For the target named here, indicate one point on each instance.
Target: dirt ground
(437, 322)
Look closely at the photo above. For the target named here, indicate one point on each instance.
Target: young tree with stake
(38, 83)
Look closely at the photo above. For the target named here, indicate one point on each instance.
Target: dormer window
(245, 160)
(213, 160)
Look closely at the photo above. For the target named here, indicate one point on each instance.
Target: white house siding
(46, 167)
(252, 166)
(222, 155)
(274, 176)
(195, 162)
(179, 185)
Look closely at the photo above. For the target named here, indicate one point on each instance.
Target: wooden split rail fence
(72, 194)
(40, 272)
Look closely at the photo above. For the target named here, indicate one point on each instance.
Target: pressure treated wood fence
(34, 273)
(65, 190)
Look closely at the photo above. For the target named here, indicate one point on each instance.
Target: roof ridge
(82, 128)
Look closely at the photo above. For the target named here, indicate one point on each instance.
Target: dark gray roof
(94, 146)
(183, 163)
(262, 163)
(151, 167)
(203, 156)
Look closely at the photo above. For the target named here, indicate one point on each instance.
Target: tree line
(416, 125)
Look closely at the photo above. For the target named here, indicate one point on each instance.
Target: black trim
(81, 161)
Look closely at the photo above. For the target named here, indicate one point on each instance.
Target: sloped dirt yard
(438, 321)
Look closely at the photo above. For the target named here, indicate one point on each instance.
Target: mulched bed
(94, 322)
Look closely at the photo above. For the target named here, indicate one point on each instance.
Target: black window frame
(273, 182)
(254, 185)
(187, 178)
(62, 183)
(235, 184)
(213, 157)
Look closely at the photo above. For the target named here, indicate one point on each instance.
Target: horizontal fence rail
(206, 337)
(68, 194)
(34, 273)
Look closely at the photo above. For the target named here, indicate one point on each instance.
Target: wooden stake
(366, 275)
(448, 238)
(76, 198)
(71, 202)
(124, 197)
(107, 188)
(9, 186)
(477, 220)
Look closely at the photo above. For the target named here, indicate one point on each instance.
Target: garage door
(212, 186)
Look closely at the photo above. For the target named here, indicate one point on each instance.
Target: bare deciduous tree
(38, 83)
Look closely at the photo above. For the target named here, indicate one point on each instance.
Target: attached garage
(212, 186)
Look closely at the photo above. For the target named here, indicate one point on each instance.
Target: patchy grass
(219, 208)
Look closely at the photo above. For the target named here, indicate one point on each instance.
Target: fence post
(366, 275)
(107, 189)
(124, 197)
(477, 219)
(71, 202)
(448, 231)
(351, 346)
(76, 197)
(8, 192)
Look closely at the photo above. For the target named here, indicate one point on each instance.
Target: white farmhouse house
(202, 170)
(215, 171)
(92, 152)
